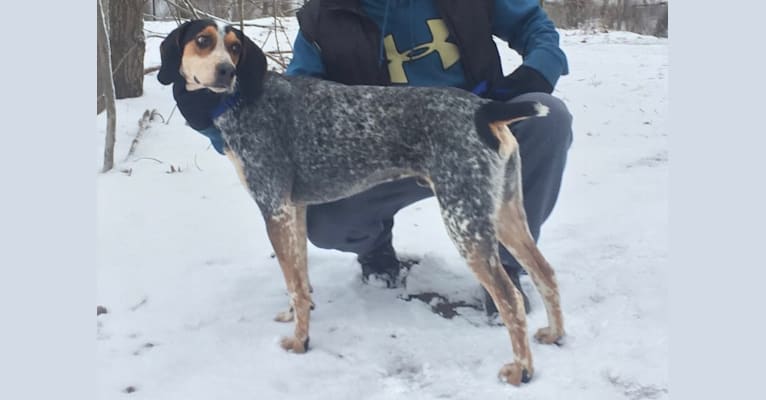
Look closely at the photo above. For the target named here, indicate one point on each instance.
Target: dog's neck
(202, 107)
(272, 106)
(228, 101)
(197, 105)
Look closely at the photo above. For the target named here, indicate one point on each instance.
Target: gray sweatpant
(363, 222)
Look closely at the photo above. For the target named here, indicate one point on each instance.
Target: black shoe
(381, 263)
(513, 273)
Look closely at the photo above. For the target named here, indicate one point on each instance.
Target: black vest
(349, 41)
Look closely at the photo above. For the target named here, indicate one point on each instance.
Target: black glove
(523, 80)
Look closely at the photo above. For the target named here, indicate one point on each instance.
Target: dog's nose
(225, 71)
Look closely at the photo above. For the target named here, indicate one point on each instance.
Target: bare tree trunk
(127, 43)
(661, 29)
(100, 98)
(104, 53)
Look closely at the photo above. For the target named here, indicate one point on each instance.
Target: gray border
(48, 207)
(717, 202)
(48, 202)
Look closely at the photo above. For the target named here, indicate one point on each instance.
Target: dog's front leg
(287, 231)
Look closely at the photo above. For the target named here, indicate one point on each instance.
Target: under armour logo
(448, 52)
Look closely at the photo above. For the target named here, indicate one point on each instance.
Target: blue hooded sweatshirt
(415, 42)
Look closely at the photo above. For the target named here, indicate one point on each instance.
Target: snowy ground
(191, 289)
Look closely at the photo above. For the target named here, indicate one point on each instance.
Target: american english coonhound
(296, 141)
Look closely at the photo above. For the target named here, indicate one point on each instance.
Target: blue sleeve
(528, 30)
(306, 59)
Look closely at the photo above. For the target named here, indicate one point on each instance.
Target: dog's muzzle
(224, 76)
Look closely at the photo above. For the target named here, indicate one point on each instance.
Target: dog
(296, 141)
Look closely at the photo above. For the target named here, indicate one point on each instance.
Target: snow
(186, 273)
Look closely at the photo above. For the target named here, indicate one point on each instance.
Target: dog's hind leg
(287, 231)
(513, 233)
(467, 211)
(510, 305)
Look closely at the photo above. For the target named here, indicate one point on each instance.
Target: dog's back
(343, 139)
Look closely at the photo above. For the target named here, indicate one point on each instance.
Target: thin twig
(159, 18)
(276, 60)
(287, 38)
(148, 158)
(196, 12)
(175, 13)
(276, 37)
(292, 11)
(151, 32)
(171, 114)
(141, 303)
(124, 57)
(143, 125)
(192, 9)
(178, 8)
(268, 35)
(156, 113)
(242, 16)
(257, 25)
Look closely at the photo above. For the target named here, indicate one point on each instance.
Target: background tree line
(648, 17)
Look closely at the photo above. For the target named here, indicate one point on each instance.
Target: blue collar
(212, 132)
(216, 139)
(226, 103)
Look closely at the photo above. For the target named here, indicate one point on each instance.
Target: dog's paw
(548, 336)
(284, 316)
(515, 374)
(294, 344)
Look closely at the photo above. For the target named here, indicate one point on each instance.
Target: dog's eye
(235, 48)
(203, 41)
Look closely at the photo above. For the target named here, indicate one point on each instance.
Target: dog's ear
(170, 54)
(251, 68)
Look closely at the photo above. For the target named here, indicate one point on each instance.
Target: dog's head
(205, 54)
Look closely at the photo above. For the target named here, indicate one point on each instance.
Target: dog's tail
(492, 120)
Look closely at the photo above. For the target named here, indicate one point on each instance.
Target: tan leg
(287, 232)
(510, 306)
(287, 315)
(474, 234)
(514, 234)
